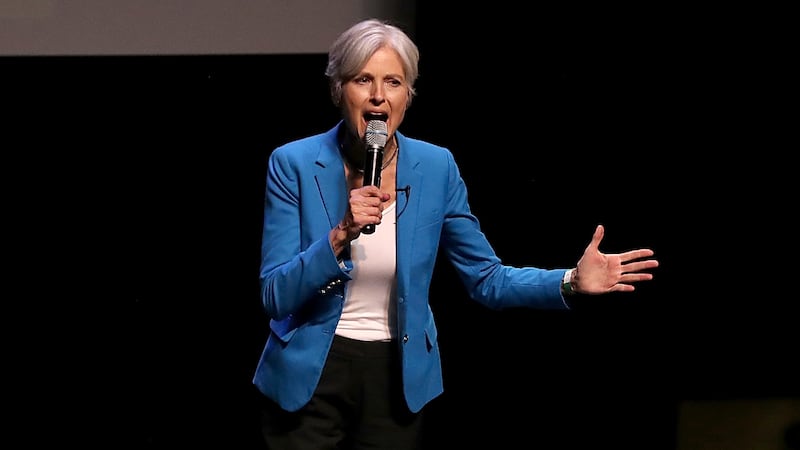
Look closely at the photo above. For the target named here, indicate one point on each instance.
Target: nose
(377, 93)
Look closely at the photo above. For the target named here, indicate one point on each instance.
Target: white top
(369, 297)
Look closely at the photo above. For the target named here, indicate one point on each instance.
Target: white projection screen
(184, 27)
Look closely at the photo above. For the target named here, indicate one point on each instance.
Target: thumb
(599, 232)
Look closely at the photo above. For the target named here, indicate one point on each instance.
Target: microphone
(375, 140)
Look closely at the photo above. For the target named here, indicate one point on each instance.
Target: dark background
(134, 198)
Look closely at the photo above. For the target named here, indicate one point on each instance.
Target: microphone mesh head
(376, 134)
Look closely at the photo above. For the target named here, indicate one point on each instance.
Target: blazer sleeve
(295, 268)
(486, 279)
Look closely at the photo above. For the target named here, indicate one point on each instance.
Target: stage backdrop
(137, 140)
(184, 27)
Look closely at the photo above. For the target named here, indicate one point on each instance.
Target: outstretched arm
(600, 273)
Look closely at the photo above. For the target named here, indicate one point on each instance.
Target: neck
(354, 153)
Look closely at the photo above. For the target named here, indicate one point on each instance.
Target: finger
(366, 202)
(639, 266)
(636, 254)
(599, 232)
(375, 211)
(621, 288)
(635, 277)
(371, 191)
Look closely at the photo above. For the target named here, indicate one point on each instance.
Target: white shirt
(369, 297)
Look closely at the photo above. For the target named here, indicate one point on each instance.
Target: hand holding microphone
(374, 140)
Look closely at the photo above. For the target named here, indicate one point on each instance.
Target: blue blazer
(303, 284)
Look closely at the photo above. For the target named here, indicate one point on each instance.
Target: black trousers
(358, 404)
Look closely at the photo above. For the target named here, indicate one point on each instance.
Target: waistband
(363, 349)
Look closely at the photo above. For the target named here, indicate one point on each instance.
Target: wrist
(339, 238)
(568, 283)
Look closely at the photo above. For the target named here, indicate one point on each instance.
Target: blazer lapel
(329, 175)
(410, 181)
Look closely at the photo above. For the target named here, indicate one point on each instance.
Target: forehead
(384, 60)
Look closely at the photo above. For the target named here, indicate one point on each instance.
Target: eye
(361, 80)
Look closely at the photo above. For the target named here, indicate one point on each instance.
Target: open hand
(600, 273)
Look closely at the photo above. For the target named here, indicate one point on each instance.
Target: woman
(352, 355)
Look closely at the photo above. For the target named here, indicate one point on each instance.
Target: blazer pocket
(431, 335)
(425, 221)
(283, 330)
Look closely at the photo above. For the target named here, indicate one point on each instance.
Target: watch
(566, 283)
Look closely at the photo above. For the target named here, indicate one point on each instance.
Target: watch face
(566, 284)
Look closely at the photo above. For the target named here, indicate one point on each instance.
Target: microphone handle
(372, 175)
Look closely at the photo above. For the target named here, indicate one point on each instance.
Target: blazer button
(405, 338)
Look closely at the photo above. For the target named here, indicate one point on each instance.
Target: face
(378, 91)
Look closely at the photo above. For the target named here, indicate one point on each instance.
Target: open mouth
(376, 116)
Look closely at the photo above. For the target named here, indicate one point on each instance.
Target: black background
(134, 199)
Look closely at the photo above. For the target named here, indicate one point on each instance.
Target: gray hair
(350, 51)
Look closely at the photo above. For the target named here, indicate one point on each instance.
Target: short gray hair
(352, 49)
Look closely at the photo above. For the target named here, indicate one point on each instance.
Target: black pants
(358, 404)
